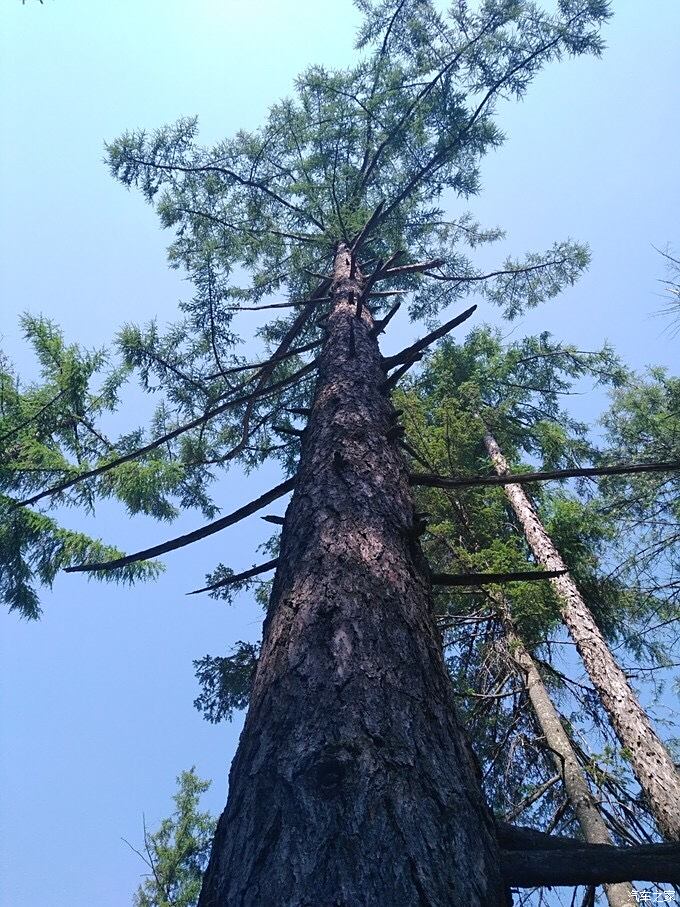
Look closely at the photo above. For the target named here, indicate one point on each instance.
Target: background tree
(469, 527)
(177, 853)
(672, 285)
(643, 421)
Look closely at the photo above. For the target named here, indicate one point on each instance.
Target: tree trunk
(581, 800)
(649, 758)
(352, 784)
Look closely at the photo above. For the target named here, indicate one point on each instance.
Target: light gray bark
(649, 758)
(582, 802)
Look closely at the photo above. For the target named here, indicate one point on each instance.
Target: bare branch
(274, 359)
(181, 541)
(239, 577)
(289, 430)
(523, 478)
(273, 305)
(415, 268)
(591, 864)
(407, 354)
(485, 579)
(394, 378)
(531, 798)
(380, 325)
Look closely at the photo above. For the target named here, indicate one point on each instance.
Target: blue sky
(97, 712)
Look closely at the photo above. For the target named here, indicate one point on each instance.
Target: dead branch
(414, 268)
(273, 305)
(394, 378)
(484, 579)
(380, 325)
(181, 541)
(422, 344)
(531, 798)
(251, 366)
(569, 862)
(435, 481)
(239, 577)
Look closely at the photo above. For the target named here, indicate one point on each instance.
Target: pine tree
(519, 387)
(177, 853)
(353, 781)
(651, 761)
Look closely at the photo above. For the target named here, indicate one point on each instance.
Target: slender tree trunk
(352, 784)
(650, 760)
(581, 800)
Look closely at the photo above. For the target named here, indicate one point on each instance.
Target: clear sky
(97, 716)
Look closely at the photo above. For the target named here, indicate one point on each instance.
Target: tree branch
(415, 268)
(591, 864)
(181, 541)
(251, 366)
(379, 326)
(260, 390)
(484, 579)
(407, 354)
(535, 795)
(33, 418)
(366, 229)
(273, 305)
(239, 577)
(231, 174)
(435, 481)
(394, 378)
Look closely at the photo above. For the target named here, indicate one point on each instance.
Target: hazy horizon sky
(96, 709)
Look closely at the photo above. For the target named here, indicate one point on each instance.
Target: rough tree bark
(352, 784)
(650, 760)
(568, 767)
(582, 802)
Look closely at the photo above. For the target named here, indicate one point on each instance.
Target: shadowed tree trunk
(650, 760)
(582, 802)
(352, 784)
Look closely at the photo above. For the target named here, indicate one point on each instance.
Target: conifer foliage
(176, 853)
(353, 781)
(364, 156)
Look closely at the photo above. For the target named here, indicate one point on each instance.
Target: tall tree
(468, 528)
(567, 763)
(654, 768)
(352, 781)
